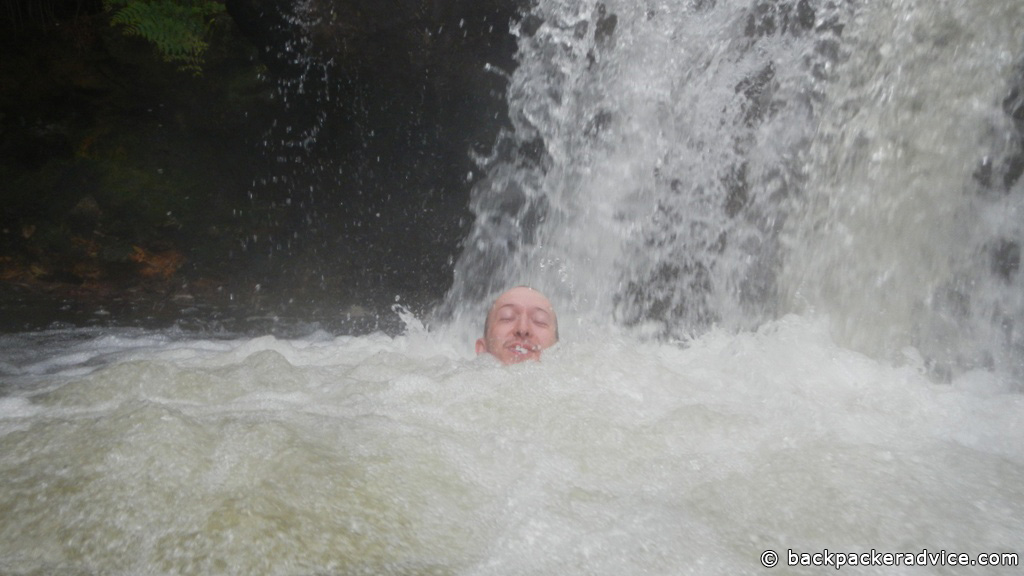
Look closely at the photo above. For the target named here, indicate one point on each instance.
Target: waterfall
(783, 238)
(681, 165)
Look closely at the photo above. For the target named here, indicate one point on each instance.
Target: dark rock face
(382, 106)
(323, 156)
(112, 160)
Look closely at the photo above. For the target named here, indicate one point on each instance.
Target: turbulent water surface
(377, 455)
(784, 241)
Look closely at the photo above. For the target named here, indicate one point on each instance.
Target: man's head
(519, 325)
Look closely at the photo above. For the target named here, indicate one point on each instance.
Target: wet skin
(520, 324)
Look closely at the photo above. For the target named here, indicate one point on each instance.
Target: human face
(520, 324)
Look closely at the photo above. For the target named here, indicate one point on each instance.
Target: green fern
(177, 28)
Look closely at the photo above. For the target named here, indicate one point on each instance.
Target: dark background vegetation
(318, 168)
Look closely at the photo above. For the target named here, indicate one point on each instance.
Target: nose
(523, 326)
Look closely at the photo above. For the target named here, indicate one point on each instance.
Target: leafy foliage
(177, 28)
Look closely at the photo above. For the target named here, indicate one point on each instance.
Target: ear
(481, 346)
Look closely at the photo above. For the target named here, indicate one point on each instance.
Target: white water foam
(379, 455)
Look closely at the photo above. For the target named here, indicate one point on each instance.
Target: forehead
(521, 297)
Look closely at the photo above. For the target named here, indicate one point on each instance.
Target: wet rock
(529, 25)
(769, 17)
(157, 265)
(33, 148)
(738, 190)
(605, 27)
(597, 124)
(1006, 259)
(1014, 170)
(86, 212)
(983, 173)
(758, 91)
(115, 251)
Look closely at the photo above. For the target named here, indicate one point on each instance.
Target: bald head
(520, 324)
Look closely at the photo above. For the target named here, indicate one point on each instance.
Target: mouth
(522, 348)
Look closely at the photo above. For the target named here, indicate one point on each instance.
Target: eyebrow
(527, 309)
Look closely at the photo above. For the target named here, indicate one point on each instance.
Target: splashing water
(823, 211)
(903, 238)
(133, 453)
(679, 167)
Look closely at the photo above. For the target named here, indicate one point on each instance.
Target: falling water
(910, 233)
(676, 166)
(784, 242)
